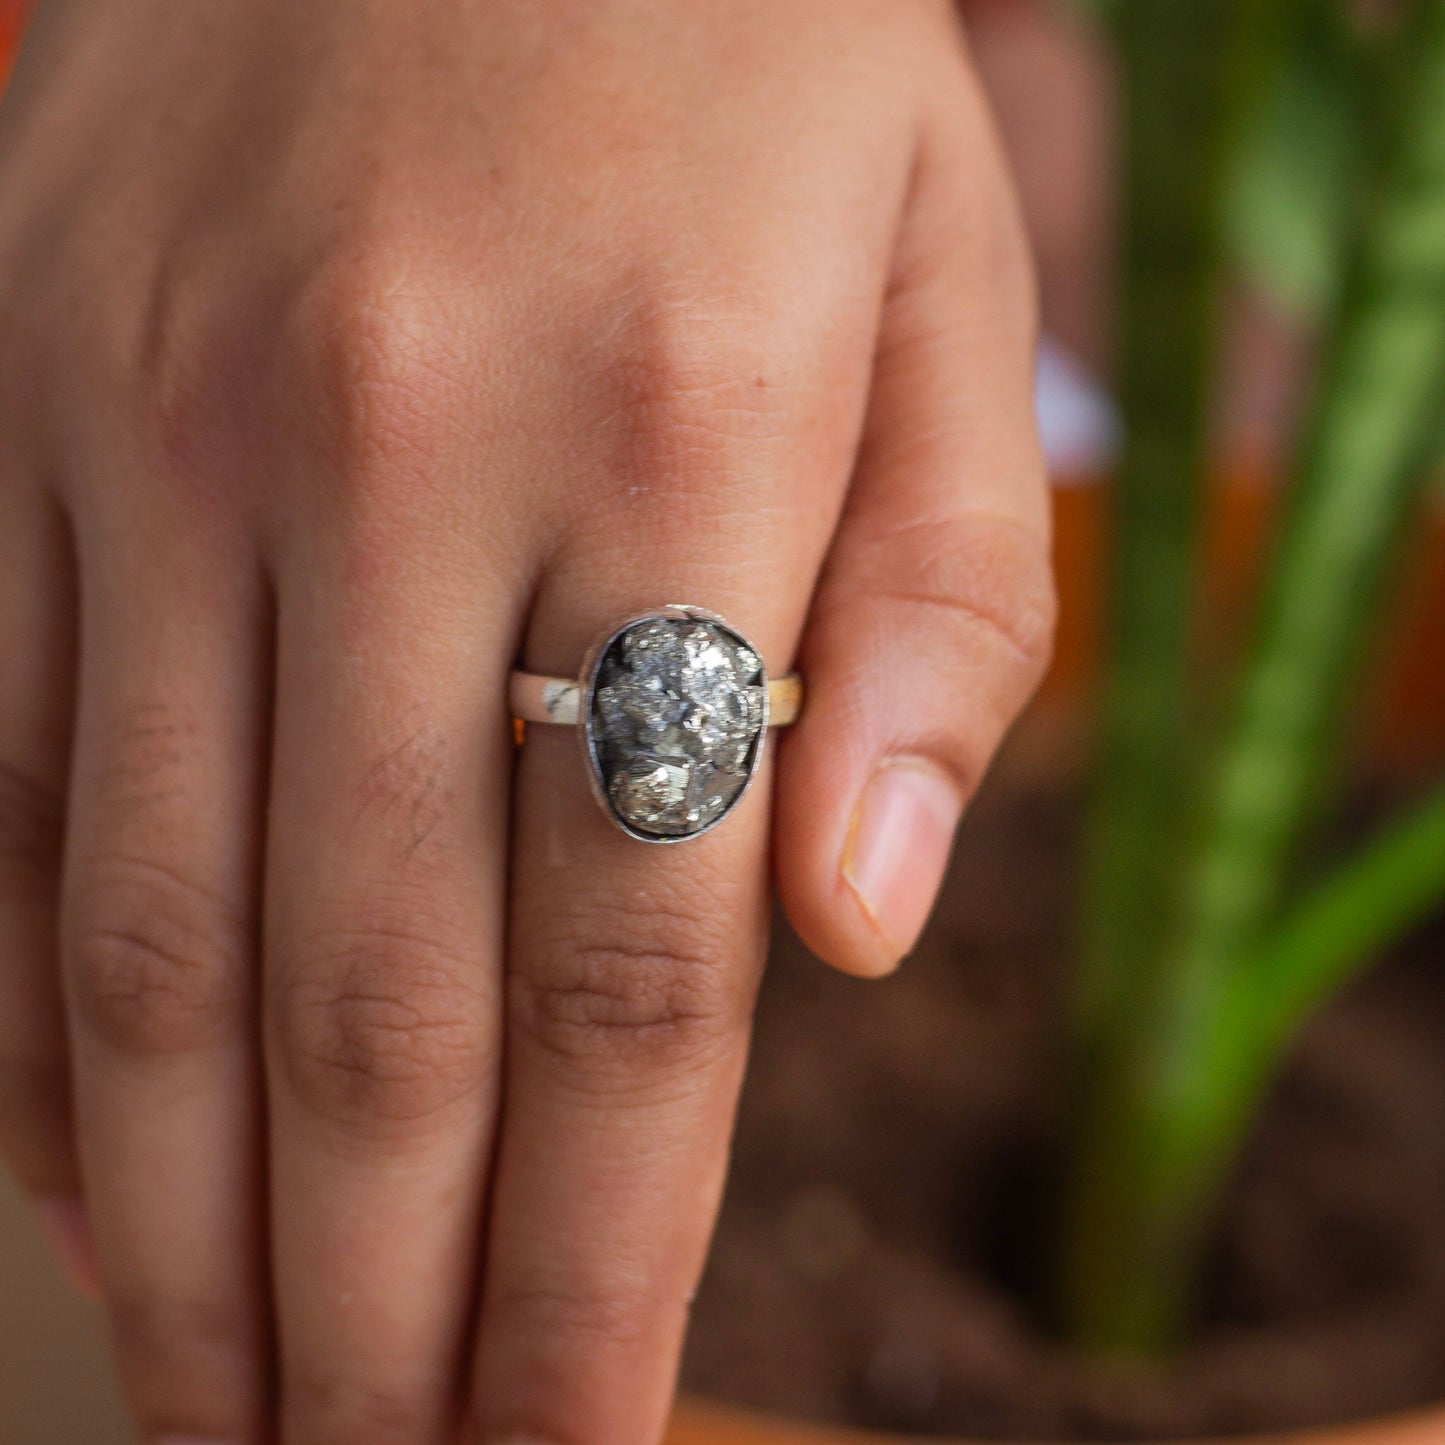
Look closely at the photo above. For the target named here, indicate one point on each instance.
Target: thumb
(933, 618)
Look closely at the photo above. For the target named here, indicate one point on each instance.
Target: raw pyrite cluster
(677, 711)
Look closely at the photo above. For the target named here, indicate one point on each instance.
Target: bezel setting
(673, 721)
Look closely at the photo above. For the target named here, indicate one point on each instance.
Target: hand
(351, 354)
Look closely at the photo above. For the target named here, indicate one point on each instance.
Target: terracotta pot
(701, 1423)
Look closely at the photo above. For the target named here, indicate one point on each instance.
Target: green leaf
(1291, 191)
(1205, 1017)
(1393, 882)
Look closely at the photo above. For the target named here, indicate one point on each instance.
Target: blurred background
(1052, 87)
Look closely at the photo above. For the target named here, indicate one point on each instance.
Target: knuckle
(687, 383)
(159, 1327)
(594, 1315)
(380, 350)
(616, 989)
(186, 1362)
(382, 1027)
(157, 965)
(337, 1411)
(599, 1315)
(991, 576)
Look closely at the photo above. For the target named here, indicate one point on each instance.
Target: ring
(672, 708)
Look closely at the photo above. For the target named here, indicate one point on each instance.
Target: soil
(871, 1262)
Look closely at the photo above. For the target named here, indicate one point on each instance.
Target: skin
(350, 355)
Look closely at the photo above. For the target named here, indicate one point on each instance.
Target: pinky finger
(37, 643)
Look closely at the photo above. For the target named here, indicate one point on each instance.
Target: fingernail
(898, 848)
(66, 1227)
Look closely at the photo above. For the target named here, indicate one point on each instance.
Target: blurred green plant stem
(1192, 983)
